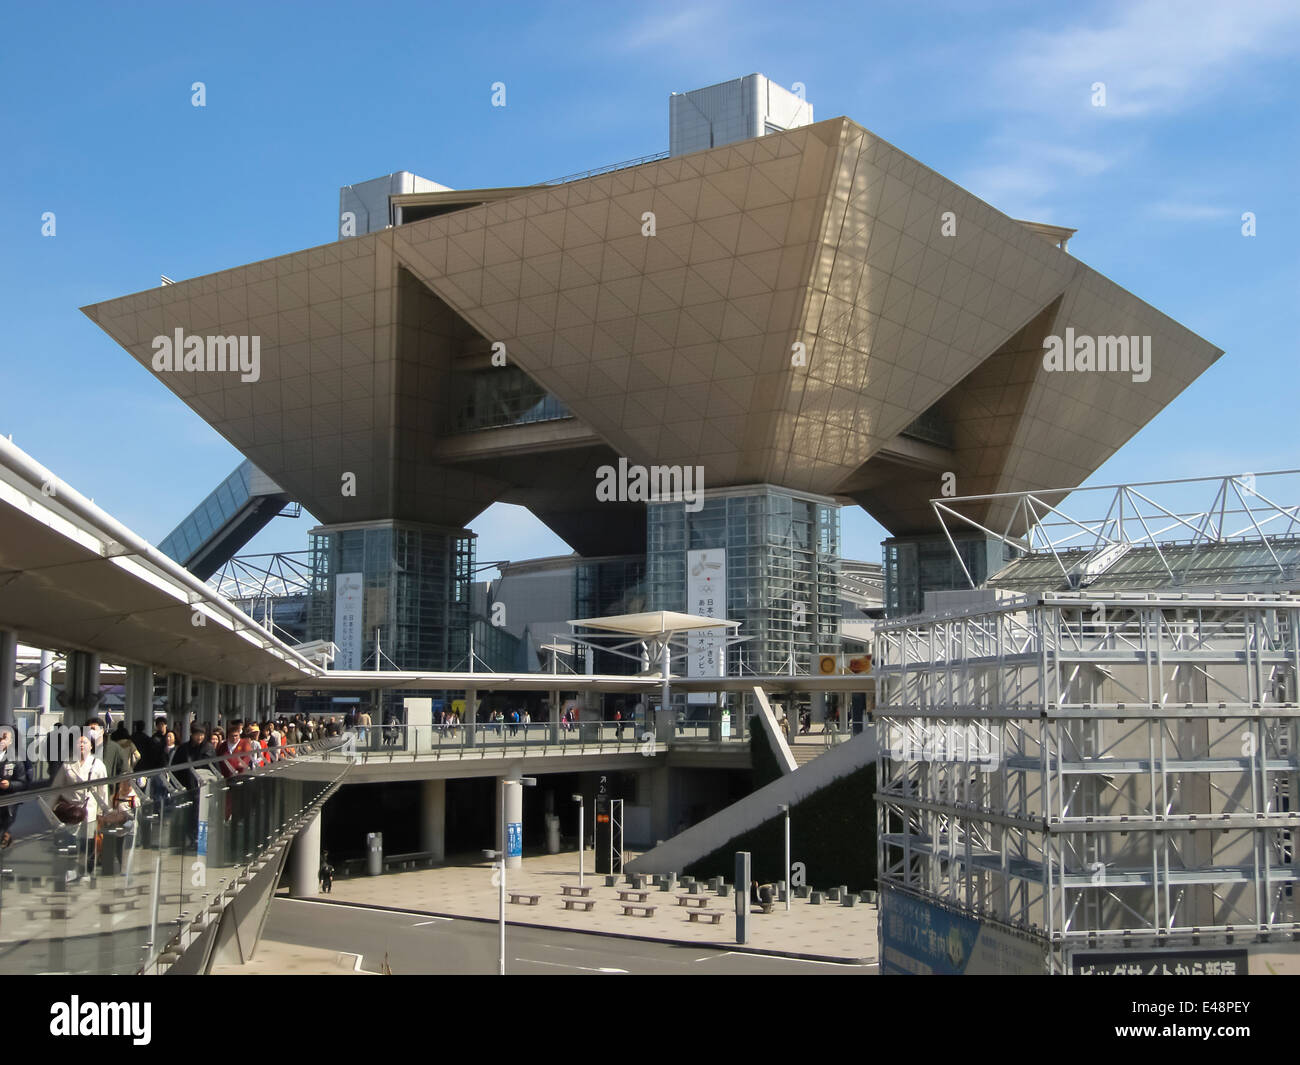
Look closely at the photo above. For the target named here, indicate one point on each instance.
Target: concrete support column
(512, 796)
(139, 698)
(305, 860)
(556, 707)
(80, 687)
(662, 821)
(471, 718)
(818, 715)
(246, 697)
(433, 818)
(207, 701)
(8, 675)
(178, 705)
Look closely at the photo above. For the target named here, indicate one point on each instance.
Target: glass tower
(416, 582)
(782, 559)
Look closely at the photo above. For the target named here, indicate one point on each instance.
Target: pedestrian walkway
(826, 931)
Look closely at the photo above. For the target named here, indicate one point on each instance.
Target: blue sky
(96, 125)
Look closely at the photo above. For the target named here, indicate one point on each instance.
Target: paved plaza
(828, 931)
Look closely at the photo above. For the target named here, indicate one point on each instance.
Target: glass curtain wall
(782, 572)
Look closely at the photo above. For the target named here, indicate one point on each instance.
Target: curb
(735, 948)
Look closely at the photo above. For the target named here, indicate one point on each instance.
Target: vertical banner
(706, 595)
(348, 595)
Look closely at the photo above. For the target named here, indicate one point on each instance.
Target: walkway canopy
(655, 623)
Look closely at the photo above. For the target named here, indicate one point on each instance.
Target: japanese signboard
(348, 597)
(706, 595)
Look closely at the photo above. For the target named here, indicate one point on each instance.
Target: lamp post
(504, 854)
(786, 810)
(582, 839)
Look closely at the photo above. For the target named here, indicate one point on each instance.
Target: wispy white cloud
(1154, 56)
(1191, 212)
(1025, 174)
(667, 27)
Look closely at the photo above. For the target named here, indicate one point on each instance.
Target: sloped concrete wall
(699, 840)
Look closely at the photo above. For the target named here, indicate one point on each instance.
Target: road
(418, 944)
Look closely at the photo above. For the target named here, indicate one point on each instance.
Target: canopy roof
(655, 623)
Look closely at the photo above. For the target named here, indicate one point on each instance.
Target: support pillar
(818, 711)
(206, 702)
(306, 861)
(8, 675)
(556, 707)
(470, 721)
(139, 699)
(178, 705)
(433, 818)
(80, 687)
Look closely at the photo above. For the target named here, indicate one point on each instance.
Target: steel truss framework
(1124, 770)
(1237, 508)
(259, 577)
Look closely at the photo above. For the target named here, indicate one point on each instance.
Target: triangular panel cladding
(800, 302)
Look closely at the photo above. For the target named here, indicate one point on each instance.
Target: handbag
(69, 812)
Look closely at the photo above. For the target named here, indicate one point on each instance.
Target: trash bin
(552, 834)
(374, 853)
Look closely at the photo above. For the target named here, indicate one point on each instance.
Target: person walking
(15, 776)
(81, 804)
(326, 873)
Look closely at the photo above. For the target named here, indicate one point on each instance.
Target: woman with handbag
(80, 807)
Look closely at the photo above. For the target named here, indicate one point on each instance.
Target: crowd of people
(76, 799)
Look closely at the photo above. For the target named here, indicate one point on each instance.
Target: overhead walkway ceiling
(71, 577)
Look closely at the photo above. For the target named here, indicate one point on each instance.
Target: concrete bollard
(815, 898)
(687, 881)
(724, 890)
(611, 880)
(715, 883)
(833, 895)
(801, 892)
(695, 887)
(850, 901)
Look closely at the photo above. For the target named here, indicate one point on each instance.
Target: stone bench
(580, 891)
(579, 904)
(524, 898)
(119, 905)
(699, 902)
(712, 916)
(628, 895)
(638, 909)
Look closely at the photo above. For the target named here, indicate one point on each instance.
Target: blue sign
(920, 938)
(514, 839)
(202, 848)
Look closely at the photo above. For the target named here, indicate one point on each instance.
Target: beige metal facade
(676, 348)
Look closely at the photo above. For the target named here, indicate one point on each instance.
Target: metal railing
(492, 738)
(118, 894)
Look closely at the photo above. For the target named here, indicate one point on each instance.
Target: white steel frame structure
(1236, 509)
(1100, 770)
